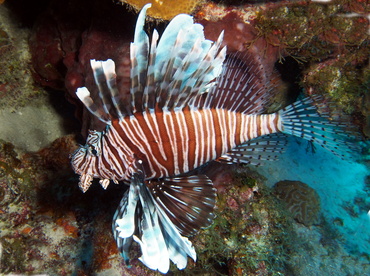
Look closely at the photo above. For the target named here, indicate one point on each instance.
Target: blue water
(338, 182)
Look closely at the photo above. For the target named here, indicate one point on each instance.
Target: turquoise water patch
(339, 183)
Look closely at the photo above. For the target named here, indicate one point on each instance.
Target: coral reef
(166, 9)
(251, 234)
(345, 80)
(302, 201)
(16, 83)
(314, 35)
(33, 239)
(332, 47)
(47, 226)
(314, 30)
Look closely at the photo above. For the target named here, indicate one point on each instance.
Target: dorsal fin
(174, 73)
(243, 86)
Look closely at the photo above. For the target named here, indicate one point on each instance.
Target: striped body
(173, 143)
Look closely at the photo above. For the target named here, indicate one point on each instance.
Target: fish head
(86, 161)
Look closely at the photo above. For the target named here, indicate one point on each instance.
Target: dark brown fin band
(188, 201)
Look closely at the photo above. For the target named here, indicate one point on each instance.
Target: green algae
(17, 87)
(339, 79)
(251, 234)
(331, 42)
(312, 31)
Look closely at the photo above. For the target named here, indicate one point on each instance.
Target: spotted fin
(186, 63)
(179, 69)
(141, 219)
(256, 151)
(173, 73)
(188, 201)
(303, 119)
(243, 86)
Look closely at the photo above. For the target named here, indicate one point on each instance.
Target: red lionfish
(187, 105)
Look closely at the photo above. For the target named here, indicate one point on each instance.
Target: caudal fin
(303, 119)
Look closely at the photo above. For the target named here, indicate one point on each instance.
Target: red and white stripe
(175, 142)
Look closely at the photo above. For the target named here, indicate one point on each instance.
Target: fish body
(170, 143)
(187, 105)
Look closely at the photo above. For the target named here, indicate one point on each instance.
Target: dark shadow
(291, 73)
(26, 12)
(65, 109)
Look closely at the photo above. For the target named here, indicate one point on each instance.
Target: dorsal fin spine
(110, 76)
(84, 95)
(148, 101)
(98, 72)
(139, 51)
(170, 73)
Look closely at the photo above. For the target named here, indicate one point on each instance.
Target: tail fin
(335, 133)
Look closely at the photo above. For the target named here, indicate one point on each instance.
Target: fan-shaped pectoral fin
(139, 217)
(188, 201)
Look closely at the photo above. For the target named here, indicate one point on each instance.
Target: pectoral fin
(188, 201)
(139, 217)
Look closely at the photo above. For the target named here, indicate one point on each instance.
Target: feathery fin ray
(239, 87)
(188, 201)
(257, 150)
(159, 239)
(170, 75)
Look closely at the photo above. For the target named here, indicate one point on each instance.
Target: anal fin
(256, 151)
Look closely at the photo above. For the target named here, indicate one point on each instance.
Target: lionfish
(187, 104)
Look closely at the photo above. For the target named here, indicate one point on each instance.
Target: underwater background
(305, 214)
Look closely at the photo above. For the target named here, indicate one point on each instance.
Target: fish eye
(93, 151)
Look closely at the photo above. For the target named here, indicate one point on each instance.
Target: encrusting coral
(302, 201)
(33, 240)
(165, 9)
(345, 80)
(251, 234)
